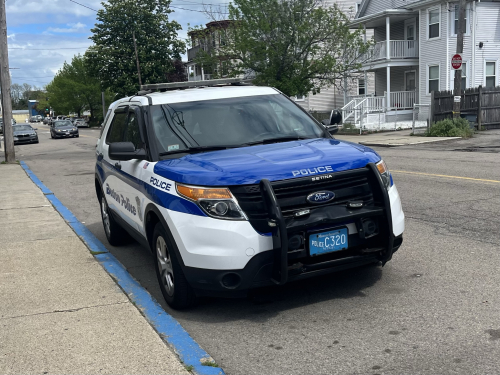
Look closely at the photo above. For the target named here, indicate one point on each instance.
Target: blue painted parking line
(188, 350)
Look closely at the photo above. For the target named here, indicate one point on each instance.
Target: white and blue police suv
(234, 187)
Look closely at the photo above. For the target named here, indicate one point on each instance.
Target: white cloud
(72, 28)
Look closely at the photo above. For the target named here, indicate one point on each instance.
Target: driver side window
(117, 128)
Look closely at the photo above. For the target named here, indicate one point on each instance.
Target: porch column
(366, 75)
(202, 74)
(388, 37)
(388, 88)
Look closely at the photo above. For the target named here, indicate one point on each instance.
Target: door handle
(118, 166)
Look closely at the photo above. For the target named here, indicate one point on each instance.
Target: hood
(278, 161)
(65, 127)
(19, 132)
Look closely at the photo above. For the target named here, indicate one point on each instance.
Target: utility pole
(137, 59)
(103, 106)
(457, 90)
(10, 156)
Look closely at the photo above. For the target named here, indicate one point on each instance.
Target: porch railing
(403, 99)
(399, 49)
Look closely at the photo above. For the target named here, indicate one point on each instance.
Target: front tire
(173, 284)
(115, 234)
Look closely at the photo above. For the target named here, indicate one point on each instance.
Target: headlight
(74, 129)
(216, 202)
(385, 174)
(16, 139)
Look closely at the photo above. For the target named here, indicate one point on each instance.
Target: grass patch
(189, 367)
(348, 128)
(457, 127)
(97, 252)
(210, 364)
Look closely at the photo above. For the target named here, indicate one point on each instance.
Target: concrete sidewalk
(60, 311)
(391, 138)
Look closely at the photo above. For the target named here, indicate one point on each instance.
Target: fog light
(370, 227)
(295, 242)
(231, 280)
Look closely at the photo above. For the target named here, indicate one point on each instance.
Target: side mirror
(332, 129)
(125, 151)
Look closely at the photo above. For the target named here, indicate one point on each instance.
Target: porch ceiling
(382, 64)
(378, 19)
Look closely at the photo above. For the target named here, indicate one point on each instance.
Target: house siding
(488, 32)
(397, 32)
(433, 52)
(375, 6)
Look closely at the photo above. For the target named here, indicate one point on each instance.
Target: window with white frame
(361, 87)
(465, 73)
(433, 22)
(454, 23)
(490, 74)
(433, 81)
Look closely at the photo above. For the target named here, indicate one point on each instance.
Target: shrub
(458, 127)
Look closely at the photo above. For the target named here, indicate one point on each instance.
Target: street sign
(456, 61)
(456, 99)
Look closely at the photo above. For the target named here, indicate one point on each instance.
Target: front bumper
(259, 273)
(18, 141)
(232, 258)
(66, 134)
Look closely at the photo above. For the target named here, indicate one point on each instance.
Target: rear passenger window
(117, 130)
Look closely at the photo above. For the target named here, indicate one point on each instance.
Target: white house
(415, 41)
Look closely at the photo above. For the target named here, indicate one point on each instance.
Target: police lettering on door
(125, 202)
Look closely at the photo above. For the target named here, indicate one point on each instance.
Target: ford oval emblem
(319, 197)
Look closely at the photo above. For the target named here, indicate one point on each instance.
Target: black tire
(115, 234)
(77, 136)
(51, 135)
(173, 284)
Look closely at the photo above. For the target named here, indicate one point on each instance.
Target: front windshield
(22, 128)
(230, 122)
(62, 123)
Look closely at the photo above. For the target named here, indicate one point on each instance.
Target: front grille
(353, 185)
(23, 136)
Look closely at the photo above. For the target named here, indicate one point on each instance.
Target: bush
(458, 127)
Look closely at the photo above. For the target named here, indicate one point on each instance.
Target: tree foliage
(75, 89)
(297, 46)
(20, 95)
(112, 57)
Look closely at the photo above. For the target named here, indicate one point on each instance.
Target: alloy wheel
(164, 262)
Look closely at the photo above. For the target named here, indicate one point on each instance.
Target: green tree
(297, 46)
(113, 58)
(75, 89)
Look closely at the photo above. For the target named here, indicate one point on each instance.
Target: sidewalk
(391, 139)
(60, 311)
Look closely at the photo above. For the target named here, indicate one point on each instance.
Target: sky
(43, 34)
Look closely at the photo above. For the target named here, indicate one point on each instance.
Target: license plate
(327, 242)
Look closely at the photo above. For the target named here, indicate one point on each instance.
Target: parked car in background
(39, 117)
(80, 123)
(1, 124)
(47, 120)
(24, 134)
(34, 119)
(63, 129)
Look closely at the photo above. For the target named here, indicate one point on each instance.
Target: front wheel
(173, 284)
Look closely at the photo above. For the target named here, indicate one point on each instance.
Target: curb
(169, 329)
(380, 144)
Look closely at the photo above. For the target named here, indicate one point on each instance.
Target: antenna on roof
(189, 84)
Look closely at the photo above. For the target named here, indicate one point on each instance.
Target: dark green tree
(297, 46)
(112, 57)
(75, 89)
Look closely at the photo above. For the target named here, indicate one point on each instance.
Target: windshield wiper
(276, 140)
(197, 149)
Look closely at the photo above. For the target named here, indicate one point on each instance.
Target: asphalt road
(434, 309)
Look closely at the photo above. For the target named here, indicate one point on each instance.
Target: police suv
(233, 187)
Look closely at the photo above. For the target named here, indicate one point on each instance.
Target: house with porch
(414, 43)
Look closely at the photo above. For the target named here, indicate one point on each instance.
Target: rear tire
(173, 284)
(115, 234)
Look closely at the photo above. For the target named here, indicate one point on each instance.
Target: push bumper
(259, 273)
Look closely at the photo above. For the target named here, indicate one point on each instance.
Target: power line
(73, 1)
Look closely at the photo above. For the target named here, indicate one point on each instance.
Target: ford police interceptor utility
(234, 187)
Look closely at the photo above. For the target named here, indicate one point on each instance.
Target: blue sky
(42, 34)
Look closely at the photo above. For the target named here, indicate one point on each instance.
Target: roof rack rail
(189, 84)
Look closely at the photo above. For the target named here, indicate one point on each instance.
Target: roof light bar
(189, 84)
